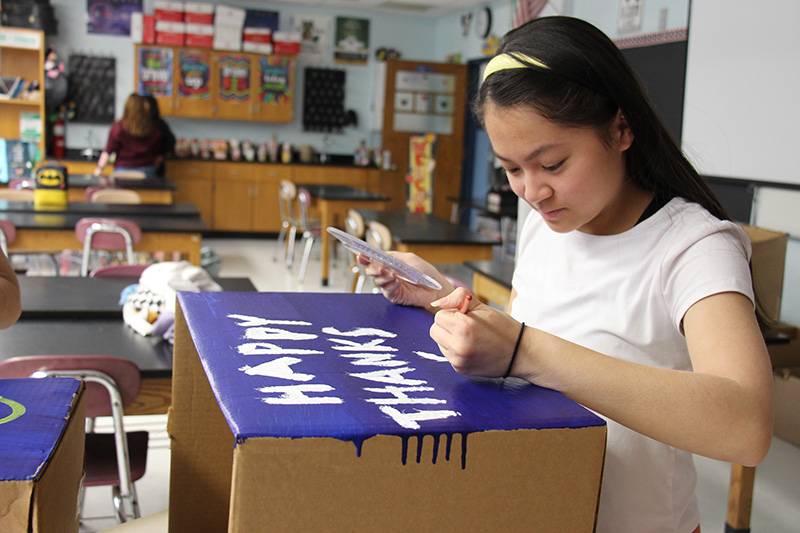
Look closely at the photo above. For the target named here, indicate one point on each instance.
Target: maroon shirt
(133, 151)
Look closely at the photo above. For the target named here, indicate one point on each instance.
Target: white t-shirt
(625, 296)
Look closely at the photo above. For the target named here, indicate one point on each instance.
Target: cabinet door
(325, 175)
(273, 78)
(234, 190)
(234, 82)
(266, 216)
(194, 182)
(193, 83)
(155, 66)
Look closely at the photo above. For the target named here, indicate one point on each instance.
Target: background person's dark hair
(587, 81)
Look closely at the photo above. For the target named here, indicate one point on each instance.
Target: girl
(632, 291)
(135, 139)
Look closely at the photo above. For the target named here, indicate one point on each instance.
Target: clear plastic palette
(406, 272)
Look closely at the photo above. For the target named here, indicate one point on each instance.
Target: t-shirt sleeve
(710, 260)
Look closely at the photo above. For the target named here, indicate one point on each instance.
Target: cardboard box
(258, 48)
(148, 29)
(304, 412)
(784, 347)
(200, 35)
(198, 13)
(229, 16)
(41, 454)
(168, 11)
(257, 35)
(769, 262)
(170, 33)
(787, 400)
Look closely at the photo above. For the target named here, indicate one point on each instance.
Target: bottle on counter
(286, 153)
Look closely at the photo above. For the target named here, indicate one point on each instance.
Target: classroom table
(434, 239)
(491, 280)
(156, 191)
(98, 209)
(332, 202)
(54, 232)
(82, 316)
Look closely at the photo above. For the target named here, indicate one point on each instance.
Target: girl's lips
(553, 213)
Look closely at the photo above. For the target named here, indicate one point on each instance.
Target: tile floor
(776, 499)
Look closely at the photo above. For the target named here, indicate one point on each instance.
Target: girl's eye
(553, 168)
(511, 171)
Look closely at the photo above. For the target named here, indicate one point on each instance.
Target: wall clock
(483, 23)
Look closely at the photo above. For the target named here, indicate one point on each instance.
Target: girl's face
(574, 179)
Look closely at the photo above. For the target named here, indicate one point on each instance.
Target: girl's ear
(621, 132)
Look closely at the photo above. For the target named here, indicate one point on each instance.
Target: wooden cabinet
(239, 196)
(194, 182)
(213, 84)
(22, 55)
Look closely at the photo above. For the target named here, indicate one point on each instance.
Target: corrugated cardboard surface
(545, 479)
(787, 401)
(768, 261)
(49, 502)
(786, 355)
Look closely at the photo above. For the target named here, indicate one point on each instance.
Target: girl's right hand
(401, 292)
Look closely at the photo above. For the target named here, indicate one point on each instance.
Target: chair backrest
(107, 233)
(119, 271)
(128, 175)
(303, 203)
(116, 196)
(287, 193)
(89, 192)
(8, 232)
(123, 371)
(22, 183)
(379, 235)
(354, 224)
(17, 195)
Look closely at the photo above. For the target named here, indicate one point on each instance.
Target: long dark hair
(587, 80)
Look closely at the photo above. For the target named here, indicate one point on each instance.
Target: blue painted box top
(350, 366)
(33, 415)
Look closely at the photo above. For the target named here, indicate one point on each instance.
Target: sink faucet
(88, 152)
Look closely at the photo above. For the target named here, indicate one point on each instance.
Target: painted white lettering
(296, 395)
(351, 346)
(252, 321)
(400, 396)
(266, 348)
(411, 420)
(373, 359)
(432, 356)
(264, 333)
(360, 332)
(392, 377)
(278, 368)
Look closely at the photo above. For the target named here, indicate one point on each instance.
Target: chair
(117, 459)
(17, 195)
(354, 225)
(311, 229)
(287, 194)
(119, 271)
(116, 196)
(106, 234)
(128, 175)
(90, 190)
(379, 235)
(8, 232)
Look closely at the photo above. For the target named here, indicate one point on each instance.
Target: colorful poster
(421, 165)
(195, 75)
(275, 74)
(234, 78)
(155, 71)
(315, 37)
(111, 17)
(352, 41)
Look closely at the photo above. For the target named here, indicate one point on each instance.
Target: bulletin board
(92, 81)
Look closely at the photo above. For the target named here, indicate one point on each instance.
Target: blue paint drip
(436, 439)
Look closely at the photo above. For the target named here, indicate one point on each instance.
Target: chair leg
(87, 250)
(281, 240)
(290, 246)
(309, 242)
(126, 506)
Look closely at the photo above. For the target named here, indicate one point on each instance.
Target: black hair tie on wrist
(514, 355)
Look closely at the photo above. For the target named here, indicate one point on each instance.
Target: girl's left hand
(479, 342)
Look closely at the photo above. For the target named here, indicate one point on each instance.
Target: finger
(454, 300)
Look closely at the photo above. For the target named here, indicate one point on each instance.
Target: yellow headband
(511, 60)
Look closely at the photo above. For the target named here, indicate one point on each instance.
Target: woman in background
(167, 139)
(135, 139)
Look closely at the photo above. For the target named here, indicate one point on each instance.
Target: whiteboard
(741, 111)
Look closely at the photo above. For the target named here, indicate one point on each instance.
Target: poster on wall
(275, 79)
(315, 37)
(111, 17)
(234, 78)
(155, 71)
(195, 75)
(352, 41)
(421, 166)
